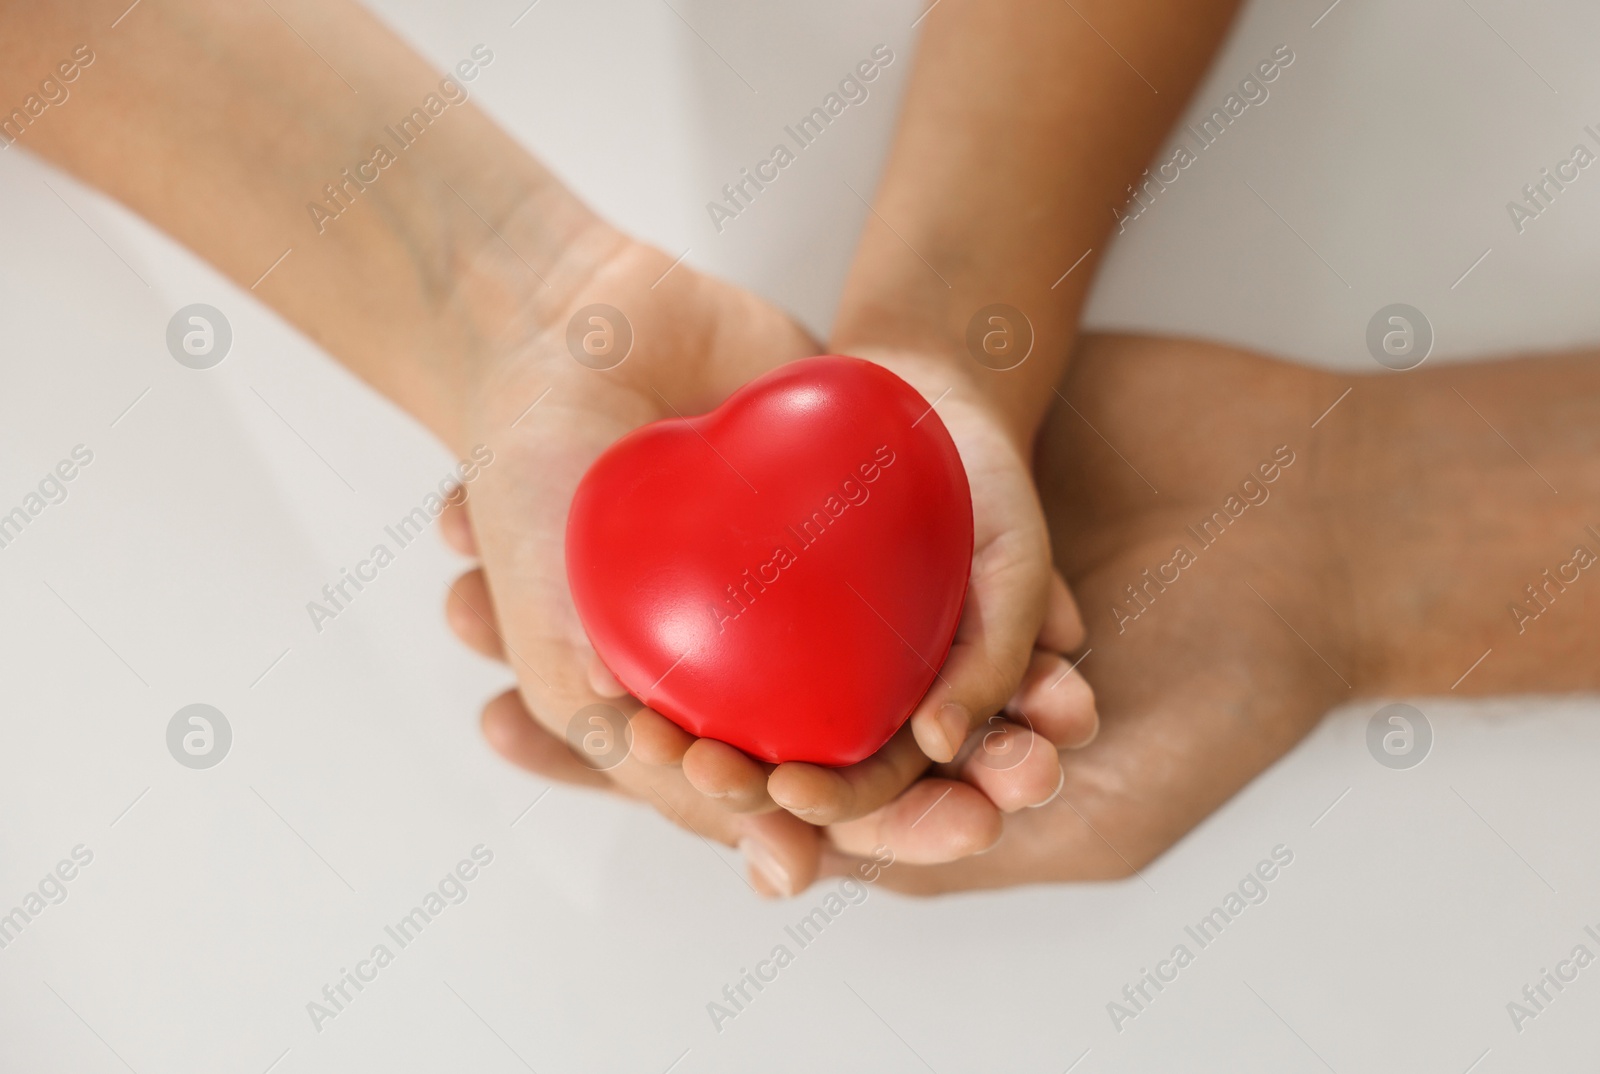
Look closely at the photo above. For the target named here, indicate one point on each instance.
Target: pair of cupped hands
(982, 744)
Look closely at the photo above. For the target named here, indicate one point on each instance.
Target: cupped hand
(548, 415)
(1008, 696)
(636, 339)
(1202, 681)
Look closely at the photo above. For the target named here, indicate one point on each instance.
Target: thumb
(993, 646)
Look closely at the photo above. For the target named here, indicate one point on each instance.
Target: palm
(548, 417)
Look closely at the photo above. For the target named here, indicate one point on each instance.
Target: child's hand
(1006, 698)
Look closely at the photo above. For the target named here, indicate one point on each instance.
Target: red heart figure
(784, 573)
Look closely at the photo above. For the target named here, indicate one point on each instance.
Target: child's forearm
(1024, 123)
(311, 156)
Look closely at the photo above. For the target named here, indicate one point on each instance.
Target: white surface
(594, 941)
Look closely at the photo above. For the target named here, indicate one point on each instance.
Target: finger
(718, 770)
(1056, 701)
(470, 612)
(909, 878)
(1062, 629)
(601, 681)
(1011, 765)
(781, 852)
(759, 881)
(835, 862)
(975, 682)
(656, 739)
(455, 524)
(993, 645)
(823, 795)
(517, 737)
(937, 820)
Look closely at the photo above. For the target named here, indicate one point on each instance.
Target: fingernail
(954, 721)
(985, 850)
(789, 802)
(1094, 733)
(1062, 782)
(763, 861)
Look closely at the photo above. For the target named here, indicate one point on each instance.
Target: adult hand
(1210, 682)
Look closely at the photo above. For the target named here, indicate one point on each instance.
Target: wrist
(948, 377)
(508, 301)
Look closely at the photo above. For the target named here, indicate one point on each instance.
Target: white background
(178, 571)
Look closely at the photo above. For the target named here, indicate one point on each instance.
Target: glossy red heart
(784, 573)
